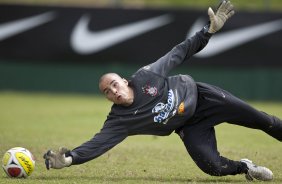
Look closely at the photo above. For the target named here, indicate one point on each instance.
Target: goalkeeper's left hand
(223, 13)
(57, 160)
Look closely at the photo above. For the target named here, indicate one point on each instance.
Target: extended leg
(214, 107)
(220, 106)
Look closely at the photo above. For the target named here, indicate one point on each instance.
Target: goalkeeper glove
(57, 160)
(223, 13)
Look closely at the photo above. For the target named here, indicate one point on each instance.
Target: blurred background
(64, 46)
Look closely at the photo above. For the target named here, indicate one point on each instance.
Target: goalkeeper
(152, 103)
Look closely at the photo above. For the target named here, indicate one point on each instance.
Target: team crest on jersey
(149, 90)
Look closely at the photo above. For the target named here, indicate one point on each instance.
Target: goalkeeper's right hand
(57, 160)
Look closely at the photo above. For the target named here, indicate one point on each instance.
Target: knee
(275, 128)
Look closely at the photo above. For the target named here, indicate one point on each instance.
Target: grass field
(40, 121)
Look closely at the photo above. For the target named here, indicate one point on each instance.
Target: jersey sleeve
(181, 52)
(109, 136)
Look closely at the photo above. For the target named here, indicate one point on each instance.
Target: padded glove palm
(57, 160)
(223, 13)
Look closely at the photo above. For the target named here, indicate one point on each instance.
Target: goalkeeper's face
(116, 89)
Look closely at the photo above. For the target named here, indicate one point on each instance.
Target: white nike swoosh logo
(84, 41)
(221, 42)
(15, 27)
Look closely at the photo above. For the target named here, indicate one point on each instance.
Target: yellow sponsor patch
(25, 162)
(181, 108)
(6, 158)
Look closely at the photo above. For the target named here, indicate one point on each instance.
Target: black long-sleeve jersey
(161, 103)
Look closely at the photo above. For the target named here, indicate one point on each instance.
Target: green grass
(41, 121)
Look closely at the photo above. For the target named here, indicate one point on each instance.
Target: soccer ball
(18, 162)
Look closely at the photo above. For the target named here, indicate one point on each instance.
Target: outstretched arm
(108, 137)
(191, 46)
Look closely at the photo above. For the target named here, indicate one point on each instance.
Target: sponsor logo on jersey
(149, 90)
(165, 111)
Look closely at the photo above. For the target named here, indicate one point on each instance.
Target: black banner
(99, 35)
